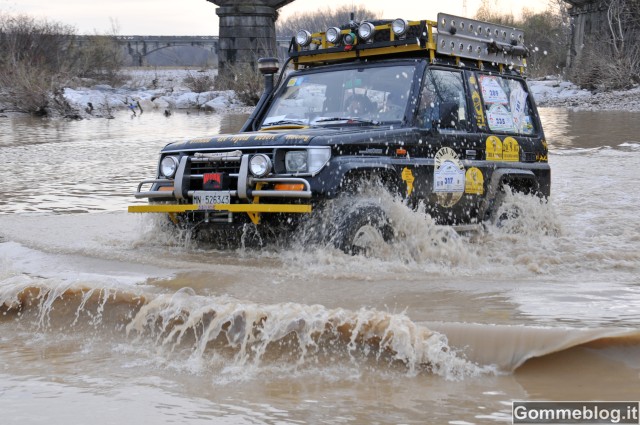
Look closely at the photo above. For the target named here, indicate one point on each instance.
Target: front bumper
(177, 194)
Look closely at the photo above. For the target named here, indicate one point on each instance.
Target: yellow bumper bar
(248, 208)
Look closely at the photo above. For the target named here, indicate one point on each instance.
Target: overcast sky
(198, 17)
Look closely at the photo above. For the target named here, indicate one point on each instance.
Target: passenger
(393, 108)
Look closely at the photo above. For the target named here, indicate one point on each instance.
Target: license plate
(206, 199)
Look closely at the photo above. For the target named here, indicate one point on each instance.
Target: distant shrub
(39, 58)
(245, 80)
(200, 82)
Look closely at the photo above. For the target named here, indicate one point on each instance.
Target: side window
(442, 100)
(506, 104)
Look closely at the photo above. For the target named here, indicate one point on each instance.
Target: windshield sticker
(448, 177)
(510, 150)
(500, 119)
(477, 105)
(494, 149)
(474, 183)
(492, 91)
(518, 102)
(295, 82)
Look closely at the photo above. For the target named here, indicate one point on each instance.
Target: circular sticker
(448, 177)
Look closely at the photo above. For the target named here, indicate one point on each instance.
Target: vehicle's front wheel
(363, 230)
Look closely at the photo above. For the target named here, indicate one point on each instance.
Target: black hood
(309, 136)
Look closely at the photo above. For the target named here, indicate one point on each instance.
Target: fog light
(168, 166)
(260, 165)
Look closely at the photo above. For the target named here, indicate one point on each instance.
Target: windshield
(368, 94)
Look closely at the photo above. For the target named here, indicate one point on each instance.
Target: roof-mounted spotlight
(303, 38)
(400, 27)
(333, 35)
(366, 31)
(349, 40)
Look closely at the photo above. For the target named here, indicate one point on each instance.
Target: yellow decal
(510, 150)
(297, 138)
(477, 105)
(292, 82)
(200, 140)
(474, 181)
(494, 149)
(541, 158)
(472, 80)
(236, 139)
(407, 177)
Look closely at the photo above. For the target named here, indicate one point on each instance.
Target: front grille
(199, 167)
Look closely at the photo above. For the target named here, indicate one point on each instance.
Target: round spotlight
(260, 165)
(366, 31)
(303, 38)
(349, 39)
(168, 166)
(333, 35)
(400, 27)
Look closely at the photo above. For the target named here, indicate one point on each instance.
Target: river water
(105, 319)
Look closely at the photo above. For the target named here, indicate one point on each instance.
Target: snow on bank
(151, 89)
(557, 93)
(165, 89)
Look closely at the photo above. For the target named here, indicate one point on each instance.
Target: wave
(239, 334)
(248, 333)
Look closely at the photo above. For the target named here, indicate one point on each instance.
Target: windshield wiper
(285, 122)
(350, 120)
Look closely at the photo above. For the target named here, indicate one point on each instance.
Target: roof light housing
(333, 35)
(400, 27)
(303, 38)
(366, 31)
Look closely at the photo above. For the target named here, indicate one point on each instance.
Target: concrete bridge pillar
(247, 32)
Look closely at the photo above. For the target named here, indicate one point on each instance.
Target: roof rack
(451, 36)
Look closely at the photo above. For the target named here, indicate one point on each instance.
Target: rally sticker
(492, 91)
(494, 149)
(500, 119)
(474, 183)
(510, 150)
(448, 177)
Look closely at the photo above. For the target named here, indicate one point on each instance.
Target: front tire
(363, 230)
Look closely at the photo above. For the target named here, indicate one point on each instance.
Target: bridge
(144, 50)
(247, 32)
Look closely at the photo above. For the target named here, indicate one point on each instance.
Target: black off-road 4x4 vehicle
(438, 113)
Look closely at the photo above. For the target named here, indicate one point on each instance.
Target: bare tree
(320, 20)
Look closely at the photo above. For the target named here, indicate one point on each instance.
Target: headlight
(303, 38)
(260, 165)
(296, 161)
(168, 166)
(307, 161)
(366, 30)
(400, 27)
(333, 35)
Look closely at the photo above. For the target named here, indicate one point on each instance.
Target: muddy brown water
(104, 319)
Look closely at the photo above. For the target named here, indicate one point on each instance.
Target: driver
(359, 105)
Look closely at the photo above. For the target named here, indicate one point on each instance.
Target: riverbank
(165, 90)
(553, 92)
